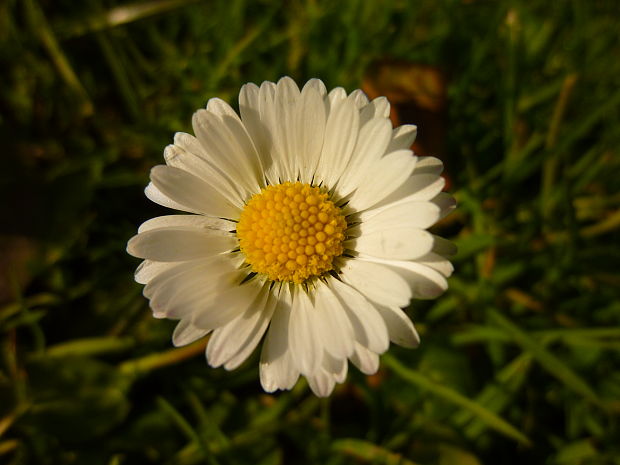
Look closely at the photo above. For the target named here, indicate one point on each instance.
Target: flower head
(307, 226)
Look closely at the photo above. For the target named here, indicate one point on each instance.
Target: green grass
(520, 359)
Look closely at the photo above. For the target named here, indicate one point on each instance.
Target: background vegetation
(520, 358)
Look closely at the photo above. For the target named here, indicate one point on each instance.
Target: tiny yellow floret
(291, 232)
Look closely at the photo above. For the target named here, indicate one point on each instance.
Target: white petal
(229, 148)
(365, 360)
(334, 326)
(379, 107)
(414, 214)
(371, 144)
(368, 326)
(337, 367)
(229, 339)
(317, 85)
(191, 292)
(193, 192)
(382, 178)
(249, 106)
(181, 158)
(400, 327)
(286, 135)
(186, 333)
(255, 335)
(436, 262)
(321, 383)
(220, 107)
(335, 95)
(425, 282)
(445, 202)
(148, 269)
(399, 244)
(403, 137)
(310, 117)
(227, 305)
(178, 244)
(429, 165)
(417, 188)
(193, 221)
(155, 195)
(305, 341)
(360, 98)
(340, 138)
(376, 282)
(277, 370)
(276, 168)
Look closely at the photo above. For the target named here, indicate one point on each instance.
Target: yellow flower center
(291, 232)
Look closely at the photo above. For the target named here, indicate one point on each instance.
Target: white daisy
(308, 227)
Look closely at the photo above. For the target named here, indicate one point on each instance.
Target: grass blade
(491, 419)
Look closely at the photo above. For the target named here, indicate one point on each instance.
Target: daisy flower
(306, 230)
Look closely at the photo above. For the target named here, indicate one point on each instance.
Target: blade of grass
(187, 429)
(454, 397)
(368, 452)
(40, 27)
(550, 362)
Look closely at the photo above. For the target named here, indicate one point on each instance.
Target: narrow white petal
(249, 107)
(376, 282)
(317, 85)
(220, 107)
(383, 177)
(400, 327)
(368, 326)
(189, 292)
(413, 214)
(228, 148)
(333, 323)
(340, 138)
(399, 243)
(336, 366)
(445, 202)
(335, 95)
(193, 192)
(437, 262)
(310, 115)
(276, 368)
(155, 195)
(305, 341)
(403, 137)
(181, 158)
(225, 306)
(417, 188)
(286, 98)
(321, 383)
(186, 333)
(429, 165)
(372, 142)
(365, 360)
(229, 339)
(276, 167)
(360, 98)
(255, 335)
(179, 243)
(148, 269)
(379, 107)
(199, 222)
(424, 281)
